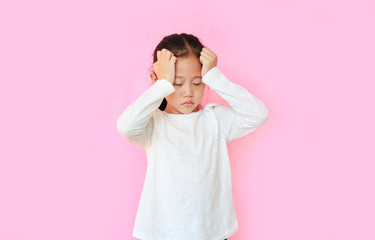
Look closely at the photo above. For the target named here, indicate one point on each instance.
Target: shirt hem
(143, 237)
(230, 234)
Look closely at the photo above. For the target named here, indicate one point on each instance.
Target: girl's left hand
(209, 60)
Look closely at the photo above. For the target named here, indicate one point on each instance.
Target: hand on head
(165, 66)
(209, 60)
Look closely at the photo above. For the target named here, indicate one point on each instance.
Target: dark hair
(181, 45)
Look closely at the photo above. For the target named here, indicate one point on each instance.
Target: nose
(188, 90)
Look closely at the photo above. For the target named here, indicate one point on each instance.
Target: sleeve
(245, 114)
(136, 122)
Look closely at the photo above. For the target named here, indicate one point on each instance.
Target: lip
(188, 104)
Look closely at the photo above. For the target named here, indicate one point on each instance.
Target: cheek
(171, 97)
(200, 92)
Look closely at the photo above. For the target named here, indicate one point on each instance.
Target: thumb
(200, 59)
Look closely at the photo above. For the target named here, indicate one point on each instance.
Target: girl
(187, 193)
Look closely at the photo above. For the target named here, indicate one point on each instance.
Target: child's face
(188, 84)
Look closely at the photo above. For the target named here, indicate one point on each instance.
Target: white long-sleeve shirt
(187, 193)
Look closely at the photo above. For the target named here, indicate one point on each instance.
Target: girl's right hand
(165, 65)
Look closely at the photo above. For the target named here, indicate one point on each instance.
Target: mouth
(188, 103)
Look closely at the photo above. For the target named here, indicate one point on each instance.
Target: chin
(185, 110)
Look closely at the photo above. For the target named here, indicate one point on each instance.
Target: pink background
(69, 68)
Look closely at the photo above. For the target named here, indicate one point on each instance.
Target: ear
(153, 77)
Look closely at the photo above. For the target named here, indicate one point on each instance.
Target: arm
(136, 123)
(246, 113)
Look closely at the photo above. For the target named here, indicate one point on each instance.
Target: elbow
(260, 113)
(254, 121)
(259, 118)
(127, 129)
(122, 127)
(264, 114)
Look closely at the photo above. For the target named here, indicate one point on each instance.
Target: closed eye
(196, 84)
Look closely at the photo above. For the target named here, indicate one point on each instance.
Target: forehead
(188, 67)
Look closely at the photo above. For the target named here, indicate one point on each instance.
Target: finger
(158, 54)
(170, 54)
(203, 59)
(205, 54)
(209, 52)
(167, 54)
(207, 49)
(166, 51)
(162, 53)
(173, 58)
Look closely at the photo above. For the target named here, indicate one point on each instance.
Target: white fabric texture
(187, 193)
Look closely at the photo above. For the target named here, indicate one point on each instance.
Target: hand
(209, 60)
(165, 66)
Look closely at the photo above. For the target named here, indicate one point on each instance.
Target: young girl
(187, 193)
